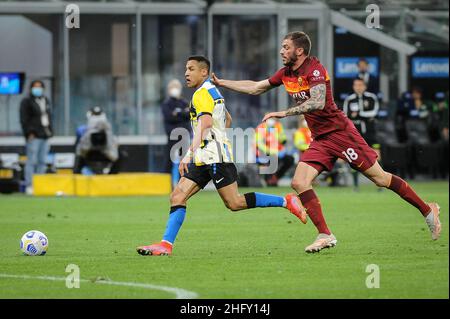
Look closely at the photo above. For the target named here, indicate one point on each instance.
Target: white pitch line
(179, 293)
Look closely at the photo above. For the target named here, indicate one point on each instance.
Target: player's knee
(233, 205)
(382, 180)
(300, 185)
(177, 198)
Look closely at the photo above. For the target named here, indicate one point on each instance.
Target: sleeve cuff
(203, 113)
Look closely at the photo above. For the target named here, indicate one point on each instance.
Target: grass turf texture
(219, 254)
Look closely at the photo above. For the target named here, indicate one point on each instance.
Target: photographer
(96, 147)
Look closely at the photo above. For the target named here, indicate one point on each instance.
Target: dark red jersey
(298, 83)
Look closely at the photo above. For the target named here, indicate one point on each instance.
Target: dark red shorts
(347, 144)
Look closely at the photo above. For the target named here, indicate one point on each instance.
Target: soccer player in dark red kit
(334, 135)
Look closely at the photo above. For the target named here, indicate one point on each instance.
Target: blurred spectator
(439, 130)
(420, 107)
(96, 147)
(271, 141)
(364, 74)
(411, 105)
(36, 122)
(439, 118)
(361, 108)
(175, 111)
(302, 136)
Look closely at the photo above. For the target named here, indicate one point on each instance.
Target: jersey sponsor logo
(295, 85)
(318, 78)
(300, 96)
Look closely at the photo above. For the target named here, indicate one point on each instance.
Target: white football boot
(322, 241)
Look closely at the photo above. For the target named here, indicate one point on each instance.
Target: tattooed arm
(315, 102)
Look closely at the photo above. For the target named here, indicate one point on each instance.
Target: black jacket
(30, 118)
(362, 110)
(176, 114)
(372, 82)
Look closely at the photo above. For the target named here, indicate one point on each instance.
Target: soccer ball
(34, 243)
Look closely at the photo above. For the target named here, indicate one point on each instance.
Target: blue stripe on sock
(174, 223)
(266, 200)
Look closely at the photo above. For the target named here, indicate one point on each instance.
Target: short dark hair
(417, 89)
(363, 60)
(201, 59)
(359, 79)
(301, 40)
(36, 81)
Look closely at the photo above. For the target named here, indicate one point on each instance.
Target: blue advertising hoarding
(347, 67)
(429, 67)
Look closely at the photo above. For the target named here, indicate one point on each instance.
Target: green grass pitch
(219, 254)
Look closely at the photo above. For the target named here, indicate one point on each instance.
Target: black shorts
(222, 174)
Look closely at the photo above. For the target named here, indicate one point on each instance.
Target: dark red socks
(402, 188)
(312, 204)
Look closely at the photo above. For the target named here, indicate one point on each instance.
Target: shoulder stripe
(369, 94)
(351, 97)
(215, 93)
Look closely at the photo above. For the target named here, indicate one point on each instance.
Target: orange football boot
(162, 248)
(295, 206)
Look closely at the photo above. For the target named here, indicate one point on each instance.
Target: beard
(291, 60)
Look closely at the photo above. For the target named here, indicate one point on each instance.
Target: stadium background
(121, 58)
(125, 52)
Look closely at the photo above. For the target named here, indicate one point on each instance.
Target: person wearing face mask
(271, 141)
(36, 122)
(175, 112)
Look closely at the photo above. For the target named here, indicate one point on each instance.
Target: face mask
(37, 91)
(175, 92)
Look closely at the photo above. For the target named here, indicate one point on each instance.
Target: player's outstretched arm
(315, 102)
(244, 86)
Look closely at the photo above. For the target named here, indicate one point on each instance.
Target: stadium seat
(427, 153)
(394, 155)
